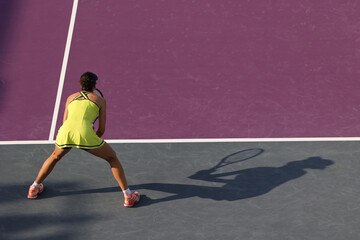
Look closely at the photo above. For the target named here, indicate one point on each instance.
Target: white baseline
(201, 140)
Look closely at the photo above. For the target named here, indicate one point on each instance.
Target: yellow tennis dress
(77, 131)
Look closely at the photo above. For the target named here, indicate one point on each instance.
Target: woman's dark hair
(88, 81)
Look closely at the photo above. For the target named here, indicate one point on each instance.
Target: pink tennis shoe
(131, 199)
(34, 191)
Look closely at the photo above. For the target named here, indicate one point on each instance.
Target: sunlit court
(229, 119)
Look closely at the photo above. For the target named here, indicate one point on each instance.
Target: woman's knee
(111, 157)
(105, 152)
(58, 154)
(56, 157)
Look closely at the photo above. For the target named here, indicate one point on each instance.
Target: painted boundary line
(201, 140)
(63, 70)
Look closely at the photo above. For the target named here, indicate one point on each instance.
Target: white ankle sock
(127, 191)
(36, 184)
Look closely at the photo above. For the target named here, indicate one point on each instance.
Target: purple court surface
(190, 70)
(185, 69)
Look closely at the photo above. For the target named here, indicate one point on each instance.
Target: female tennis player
(77, 131)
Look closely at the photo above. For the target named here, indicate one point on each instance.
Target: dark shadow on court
(245, 183)
(28, 226)
(32, 221)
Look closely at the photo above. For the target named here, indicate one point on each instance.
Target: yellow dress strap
(84, 95)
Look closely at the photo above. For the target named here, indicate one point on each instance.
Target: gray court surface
(294, 190)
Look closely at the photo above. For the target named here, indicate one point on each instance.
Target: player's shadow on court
(233, 185)
(246, 183)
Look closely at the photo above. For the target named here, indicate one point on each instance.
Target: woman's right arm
(102, 118)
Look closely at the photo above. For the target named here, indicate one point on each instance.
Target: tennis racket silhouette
(226, 161)
(240, 156)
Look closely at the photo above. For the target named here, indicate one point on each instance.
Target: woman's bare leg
(50, 163)
(107, 153)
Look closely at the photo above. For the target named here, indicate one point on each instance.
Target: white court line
(203, 140)
(63, 70)
(244, 140)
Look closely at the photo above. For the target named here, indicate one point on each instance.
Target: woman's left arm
(66, 109)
